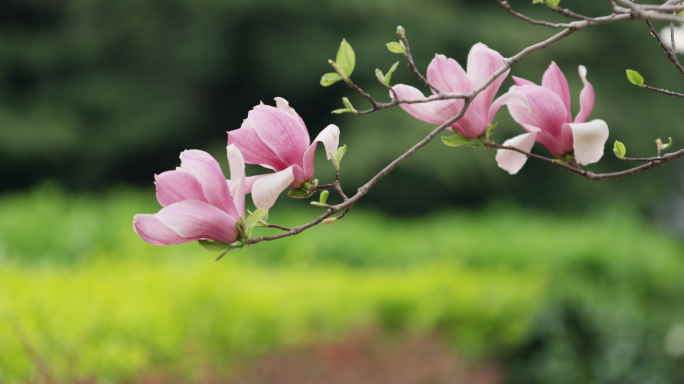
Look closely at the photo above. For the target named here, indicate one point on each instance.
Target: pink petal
(448, 75)
(512, 97)
(445, 110)
(589, 140)
(175, 186)
(266, 189)
(153, 231)
(249, 182)
(546, 110)
(194, 220)
(282, 132)
(586, 97)
(557, 148)
(483, 62)
(299, 175)
(184, 222)
(308, 165)
(555, 81)
(519, 81)
(512, 161)
(238, 184)
(208, 172)
(284, 105)
(421, 111)
(254, 150)
(472, 125)
(330, 137)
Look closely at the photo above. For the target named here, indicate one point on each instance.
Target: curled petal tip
(266, 189)
(330, 137)
(510, 160)
(582, 71)
(589, 140)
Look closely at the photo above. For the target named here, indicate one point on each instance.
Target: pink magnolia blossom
(449, 77)
(276, 138)
(199, 203)
(548, 121)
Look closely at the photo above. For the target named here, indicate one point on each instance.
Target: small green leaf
(380, 76)
(553, 2)
(668, 145)
(338, 111)
(330, 78)
(348, 103)
(255, 220)
(222, 254)
(236, 245)
(240, 228)
(456, 140)
(619, 150)
(490, 129)
(635, 78)
(298, 193)
(340, 153)
(324, 196)
(346, 58)
(388, 77)
(335, 163)
(396, 47)
(213, 245)
(401, 31)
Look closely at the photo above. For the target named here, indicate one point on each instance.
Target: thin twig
(663, 91)
(635, 12)
(643, 159)
(338, 186)
(567, 13)
(412, 65)
(671, 53)
(332, 209)
(361, 92)
(652, 163)
(277, 226)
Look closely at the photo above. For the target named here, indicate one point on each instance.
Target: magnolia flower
(548, 120)
(449, 77)
(276, 138)
(198, 203)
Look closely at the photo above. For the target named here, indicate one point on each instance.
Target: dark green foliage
(95, 92)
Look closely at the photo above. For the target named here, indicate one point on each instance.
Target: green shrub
(556, 298)
(111, 320)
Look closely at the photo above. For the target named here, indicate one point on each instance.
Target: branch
(347, 203)
(412, 64)
(663, 91)
(652, 163)
(566, 12)
(635, 12)
(671, 53)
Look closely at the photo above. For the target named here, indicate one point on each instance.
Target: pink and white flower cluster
(199, 203)
(542, 110)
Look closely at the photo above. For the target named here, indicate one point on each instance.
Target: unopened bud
(324, 196)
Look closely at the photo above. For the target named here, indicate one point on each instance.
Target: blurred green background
(549, 276)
